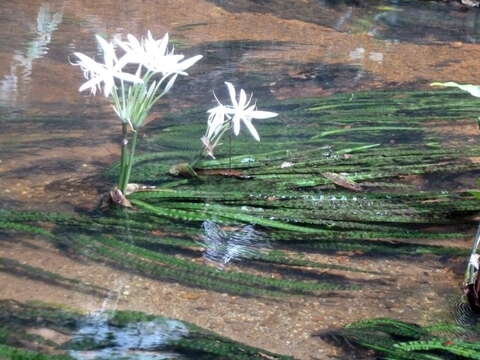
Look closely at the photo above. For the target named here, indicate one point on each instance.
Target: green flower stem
(127, 167)
(123, 158)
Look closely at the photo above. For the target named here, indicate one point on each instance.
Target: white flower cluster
(223, 117)
(134, 93)
(149, 53)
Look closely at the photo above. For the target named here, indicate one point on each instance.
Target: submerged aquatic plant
(133, 94)
(112, 335)
(398, 340)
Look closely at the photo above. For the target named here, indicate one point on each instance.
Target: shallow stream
(57, 145)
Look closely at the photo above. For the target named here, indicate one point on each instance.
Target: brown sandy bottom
(420, 289)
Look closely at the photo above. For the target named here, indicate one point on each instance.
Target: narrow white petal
(257, 114)
(170, 84)
(87, 63)
(134, 43)
(90, 84)
(128, 58)
(243, 99)
(189, 62)
(172, 59)
(251, 128)
(108, 52)
(139, 71)
(215, 122)
(109, 85)
(218, 101)
(162, 49)
(101, 41)
(236, 125)
(212, 111)
(231, 91)
(128, 77)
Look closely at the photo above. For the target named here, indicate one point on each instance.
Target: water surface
(56, 143)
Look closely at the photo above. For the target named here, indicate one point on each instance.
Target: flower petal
(170, 84)
(215, 122)
(184, 65)
(128, 77)
(90, 84)
(236, 125)
(257, 114)
(243, 99)
(231, 91)
(251, 128)
(108, 52)
(87, 63)
(108, 86)
(134, 43)
(162, 48)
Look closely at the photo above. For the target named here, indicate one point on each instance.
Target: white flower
(216, 120)
(242, 111)
(155, 56)
(98, 73)
(208, 146)
(224, 117)
(216, 126)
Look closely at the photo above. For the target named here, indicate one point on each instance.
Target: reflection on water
(221, 247)
(14, 85)
(419, 21)
(135, 341)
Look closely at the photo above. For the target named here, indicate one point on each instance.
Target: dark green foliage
(280, 186)
(321, 129)
(13, 353)
(192, 343)
(394, 339)
(280, 183)
(15, 226)
(135, 248)
(123, 318)
(282, 178)
(172, 268)
(31, 314)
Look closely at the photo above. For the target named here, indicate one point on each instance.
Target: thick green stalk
(123, 158)
(129, 159)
